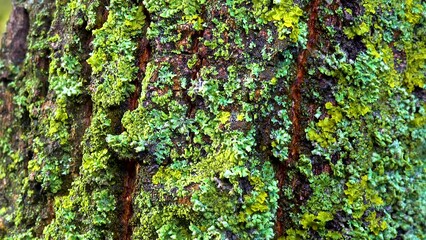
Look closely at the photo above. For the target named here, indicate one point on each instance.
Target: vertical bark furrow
(132, 170)
(295, 90)
(131, 166)
(295, 112)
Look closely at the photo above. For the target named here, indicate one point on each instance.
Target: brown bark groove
(131, 167)
(295, 90)
(295, 111)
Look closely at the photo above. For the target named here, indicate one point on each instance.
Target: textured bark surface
(202, 119)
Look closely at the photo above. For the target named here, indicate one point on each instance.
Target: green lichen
(201, 179)
(285, 14)
(210, 131)
(113, 44)
(198, 178)
(90, 215)
(368, 126)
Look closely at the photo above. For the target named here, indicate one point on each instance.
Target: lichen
(367, 125)
(189, 126)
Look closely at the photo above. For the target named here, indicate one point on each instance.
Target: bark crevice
(132, 169)
(131, 166)
(296, 110)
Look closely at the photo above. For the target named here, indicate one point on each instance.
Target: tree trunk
(203, 119)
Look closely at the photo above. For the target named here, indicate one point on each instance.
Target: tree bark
(202, 119)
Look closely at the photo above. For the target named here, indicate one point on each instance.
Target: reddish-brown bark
(295, 111)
